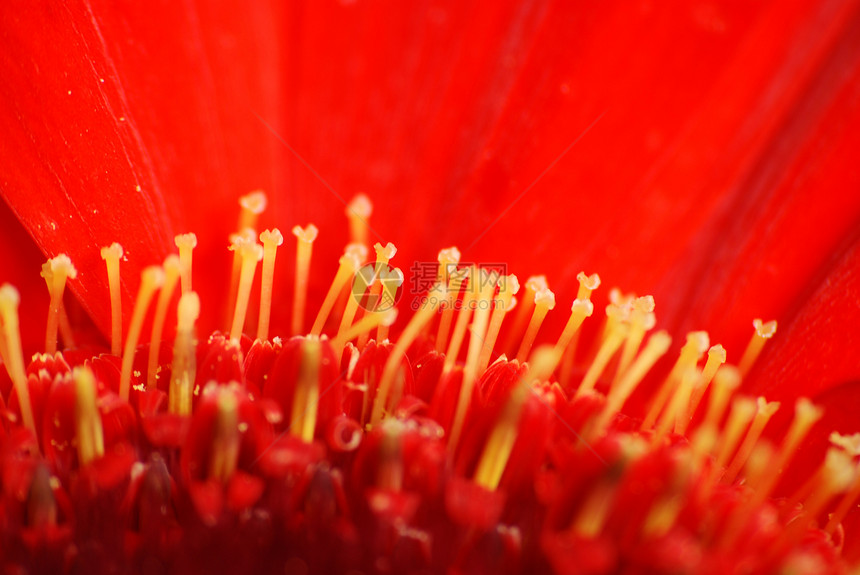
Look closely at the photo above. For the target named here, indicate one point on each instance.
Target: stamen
(186, 244)
(271, 240)
(763, 332)
(451, 280)
(225, 437)
(587, 284)
(500, 444)
(61, 269)
(250, 253)
(607, 350)
(487, 285)
(253, 205)
(111, 255)
(641, 320)
(88, 423)
(383, 257)
(524, 310)
(716, 358)
(350, 262)
(763, 414)
(367, 324)
(184, 355)
(508, 286)
(389, 474)
(544, 301)
(304, 416)
(304, 249)
(697, 343)
(579, 310)
(742, 413)
(390, 284)
(358, 212)
(675, 410)
(171, 277)
(726, 381)
(151, 279)
(392, 364)
(470, 278)
(14, 355)
(849, 499)
(65, 326)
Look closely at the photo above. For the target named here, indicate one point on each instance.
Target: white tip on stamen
(545, 297)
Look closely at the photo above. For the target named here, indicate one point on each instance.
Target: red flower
(703, 154)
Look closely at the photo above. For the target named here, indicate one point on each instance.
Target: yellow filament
(392, 364)
(88, 424)
(111, 255)
(641, 320)
(271, 240)
(63, 319)
(172, 270)
(676, 408)
(151, 279)
(742, 413)
(61, 268)
(763, 414)
(374, 285)
(590, 519)
(452, 282)
(250, 253)
(697, 343)
(358, 212)
(247, 236)
(726, 381)
(390, 283)
(350, 262)
(470, 295)
(716, 358)
(186, 244)
(500, 444)
(508, 286)
(304, 250)
(224, 454)
(14, 355)
(487, 286)
(544, 301)
(607, 350)
(366, 325)
(304, 415)
(763, 332)
(524, 310)
(184, 355)
(579, 310)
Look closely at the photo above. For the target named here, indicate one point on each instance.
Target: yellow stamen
(61, 269)
(224, 454)
(764, 411)
(252, 204)
(716, 358)
(304, 249)
(742, 413)
(697, 343)
(641, 320)
(184, 355)
(358, 212)
(607, 350)
(366, 325)
(111, 255)
(587, 284)
(469, 278)
(304, 416)
(579, 310)
(250, 253)
(63, 319)
(271, 240)
(486, 286)
(186, 244)
(350, 262)
(449, 277)
(88, 424)
(393, 363)
(763, 332)
(676, 408)
(374, 283)
(151, 279)
(508, 286)
(657, 346)
(726, 381)
(544, 301)
(500, 444)
(524, 310)
(171, 277)
(391, 282)
(14, 355)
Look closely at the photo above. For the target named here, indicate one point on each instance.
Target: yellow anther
(186, 244)
(184, 355)
(88, 424)
(14, 355)
(508, 286)
(305, 402)
(641, 320)
(358, 211)
(250, 254)
(587, 284)
(252, 205)
(172, 271)
(151, 279)
(450, 279)
(61, 269)
(763, 332)
(350, 262)
(544, 301)
(850, 444)
(304, 250)
(271, 240)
